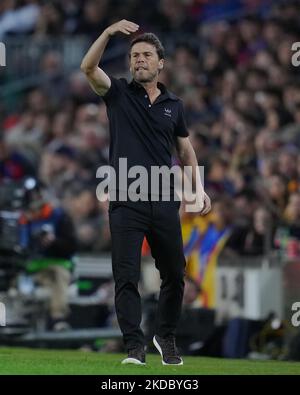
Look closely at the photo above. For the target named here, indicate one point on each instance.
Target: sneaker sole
(155, 342)
(132, 361)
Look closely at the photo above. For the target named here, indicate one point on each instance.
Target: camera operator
(47, 234)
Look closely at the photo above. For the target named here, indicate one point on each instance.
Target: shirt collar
(165, 94)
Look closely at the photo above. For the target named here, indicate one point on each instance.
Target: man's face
(144, 62)
(36, 202)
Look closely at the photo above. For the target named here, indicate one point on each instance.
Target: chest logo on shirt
(168, 112)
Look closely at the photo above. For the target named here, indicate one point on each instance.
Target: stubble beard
(144, 79)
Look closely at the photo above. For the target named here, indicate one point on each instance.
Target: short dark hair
(152, 39)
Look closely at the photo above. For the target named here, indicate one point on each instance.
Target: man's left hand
(207, 205)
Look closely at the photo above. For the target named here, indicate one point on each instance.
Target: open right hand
(122, 26)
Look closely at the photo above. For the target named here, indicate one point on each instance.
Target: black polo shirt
(142, 132)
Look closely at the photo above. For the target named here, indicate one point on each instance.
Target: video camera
(15, 197)
(12, 202)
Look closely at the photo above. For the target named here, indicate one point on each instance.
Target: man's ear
(161, 64)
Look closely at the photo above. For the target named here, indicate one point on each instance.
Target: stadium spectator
(89, 218)
(292, 215)
(47, 233)
(13, 165)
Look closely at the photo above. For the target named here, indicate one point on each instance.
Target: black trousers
(130, 222)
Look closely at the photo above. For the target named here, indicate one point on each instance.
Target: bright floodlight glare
(275, 324)
(30, 183)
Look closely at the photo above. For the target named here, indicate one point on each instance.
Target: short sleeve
(113, 93)
(181, 129)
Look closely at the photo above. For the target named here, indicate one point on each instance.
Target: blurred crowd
(242, 103)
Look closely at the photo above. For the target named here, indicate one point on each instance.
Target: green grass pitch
(38, 361)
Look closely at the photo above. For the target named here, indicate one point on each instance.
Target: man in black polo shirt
(145, 122)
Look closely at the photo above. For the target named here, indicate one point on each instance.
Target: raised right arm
(98, 79)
